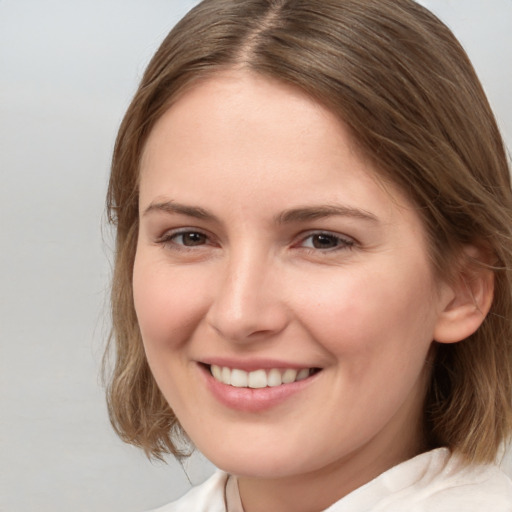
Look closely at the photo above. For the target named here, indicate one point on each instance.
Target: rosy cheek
(150, 311)
(357, 313)
(339, 311)
(168, 306)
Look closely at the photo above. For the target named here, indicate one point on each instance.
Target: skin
(360, 302)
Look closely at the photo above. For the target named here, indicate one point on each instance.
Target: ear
(466, 300)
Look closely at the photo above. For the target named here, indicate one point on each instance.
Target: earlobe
(468, 298)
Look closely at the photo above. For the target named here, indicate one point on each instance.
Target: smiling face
(270, 256)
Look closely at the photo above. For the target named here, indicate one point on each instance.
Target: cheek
(377, 328)
(168, 304)
(358, 313)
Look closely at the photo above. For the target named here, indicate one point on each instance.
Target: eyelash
(341, 242)
(169, 239)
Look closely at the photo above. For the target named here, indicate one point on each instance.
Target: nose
(248, 302)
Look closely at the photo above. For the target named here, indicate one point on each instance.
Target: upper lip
(250, 365)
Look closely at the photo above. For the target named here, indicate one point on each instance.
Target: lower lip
(253, 400)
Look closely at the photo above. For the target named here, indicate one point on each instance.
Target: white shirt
(434, 481)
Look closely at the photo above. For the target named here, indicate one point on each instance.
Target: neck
(317, 490)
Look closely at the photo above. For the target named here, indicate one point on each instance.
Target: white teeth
(258, 378)
(274, 378)
(289, 376)
(216, 372)
(303, 374)
(238, 378)
(226, 375)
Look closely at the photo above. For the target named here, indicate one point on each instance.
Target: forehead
(257, 141)
(235, 102)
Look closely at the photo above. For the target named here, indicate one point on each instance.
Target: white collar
(233, 501)
(420, 478)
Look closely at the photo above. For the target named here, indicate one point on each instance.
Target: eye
(326, 241)
(189, 238)
(183, 239)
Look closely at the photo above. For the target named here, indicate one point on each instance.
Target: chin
(255, 462)
(261, 469)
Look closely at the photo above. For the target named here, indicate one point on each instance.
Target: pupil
(324, 241)
(193, 239)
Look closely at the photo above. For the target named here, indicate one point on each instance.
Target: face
(285, 297)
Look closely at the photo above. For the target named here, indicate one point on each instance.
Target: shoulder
(471, 488)
(434, 481)
(447, 484)
(207, 497)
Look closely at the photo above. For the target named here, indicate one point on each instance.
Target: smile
(259, 378)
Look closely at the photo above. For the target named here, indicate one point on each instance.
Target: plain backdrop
(68, 69)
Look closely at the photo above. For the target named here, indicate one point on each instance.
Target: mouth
(261, 378)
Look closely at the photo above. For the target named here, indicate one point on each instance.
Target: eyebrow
(300, 214)
(182, 209)
(308, 213)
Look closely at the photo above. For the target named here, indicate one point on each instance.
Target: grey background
(67, 71)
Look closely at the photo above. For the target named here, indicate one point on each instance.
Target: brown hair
(398, 78)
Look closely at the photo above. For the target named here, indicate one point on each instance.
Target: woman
(312, 281)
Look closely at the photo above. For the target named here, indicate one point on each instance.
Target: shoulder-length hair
(397, 77)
